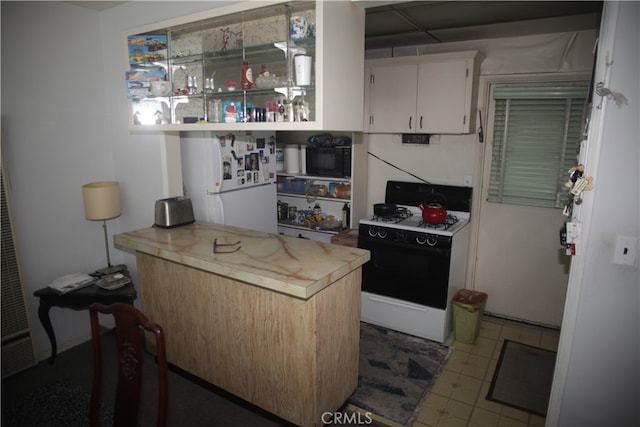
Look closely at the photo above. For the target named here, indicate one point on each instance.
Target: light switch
(625, 250)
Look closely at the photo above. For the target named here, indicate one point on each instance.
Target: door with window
(533, 134)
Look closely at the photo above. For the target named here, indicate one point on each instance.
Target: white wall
(64, 124)
(598, 368)
(55, 139)
(443, 163)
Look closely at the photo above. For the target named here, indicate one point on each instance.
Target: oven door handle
(373, 244)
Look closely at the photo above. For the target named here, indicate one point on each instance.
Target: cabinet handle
(420, 122)
(410, 118)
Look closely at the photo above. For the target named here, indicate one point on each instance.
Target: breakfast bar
(274, 320)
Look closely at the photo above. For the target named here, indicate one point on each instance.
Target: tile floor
(458, 397)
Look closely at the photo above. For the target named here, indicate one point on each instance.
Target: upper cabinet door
(442, 97)
(393, 98)
(431, 94)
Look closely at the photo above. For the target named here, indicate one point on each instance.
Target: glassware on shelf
(215, 111)
(265, 79)
(209, 83)
(301, 109)
(289, 114)
(191, 83)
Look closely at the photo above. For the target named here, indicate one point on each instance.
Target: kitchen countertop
(293, 266)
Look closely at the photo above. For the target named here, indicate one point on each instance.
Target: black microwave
(332, 161)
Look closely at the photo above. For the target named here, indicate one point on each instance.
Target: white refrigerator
(231, 179)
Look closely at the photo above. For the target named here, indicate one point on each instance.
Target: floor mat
(523, 377)
(396, 372)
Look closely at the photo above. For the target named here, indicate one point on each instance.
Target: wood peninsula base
(296, 358)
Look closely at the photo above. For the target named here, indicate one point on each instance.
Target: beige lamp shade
(101, 200)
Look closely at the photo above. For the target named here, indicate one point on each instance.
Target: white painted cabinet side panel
(341, 61)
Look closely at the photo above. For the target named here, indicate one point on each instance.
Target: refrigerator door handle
(218, 210)
(214, 175)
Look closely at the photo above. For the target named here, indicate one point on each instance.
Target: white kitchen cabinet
(433, 94)
(215, 44)
(294, 190)
(393, 98)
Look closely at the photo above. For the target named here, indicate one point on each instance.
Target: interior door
(519, 262)
(393, 99)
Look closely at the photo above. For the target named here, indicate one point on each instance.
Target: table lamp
(102, 202)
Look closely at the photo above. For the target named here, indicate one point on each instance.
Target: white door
(520, 263)
(393, 98)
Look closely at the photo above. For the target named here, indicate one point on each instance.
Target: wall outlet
(467, 181)
(625, 250)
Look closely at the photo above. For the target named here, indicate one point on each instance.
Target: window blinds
(537, 132)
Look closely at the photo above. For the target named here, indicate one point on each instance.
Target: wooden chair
(129, 339)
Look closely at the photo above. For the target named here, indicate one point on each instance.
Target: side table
(78, 300)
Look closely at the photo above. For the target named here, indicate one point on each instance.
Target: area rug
(523, 377)
(396, 372)
(62, 403)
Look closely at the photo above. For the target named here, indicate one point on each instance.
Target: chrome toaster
(173, 212)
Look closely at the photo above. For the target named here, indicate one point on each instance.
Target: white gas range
(415, 267)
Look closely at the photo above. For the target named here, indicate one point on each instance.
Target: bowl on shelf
(266, 81)
(160, 88)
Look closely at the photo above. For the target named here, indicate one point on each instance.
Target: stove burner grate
(448, 222)
(399, 215)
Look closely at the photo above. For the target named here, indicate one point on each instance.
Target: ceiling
(394, 24)
(96, 4)
(397, 23)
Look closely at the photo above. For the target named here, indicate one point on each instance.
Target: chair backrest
(129, 339)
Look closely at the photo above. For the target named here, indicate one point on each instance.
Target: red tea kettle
(433, 213)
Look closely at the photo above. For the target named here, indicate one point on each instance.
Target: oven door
(408, 272)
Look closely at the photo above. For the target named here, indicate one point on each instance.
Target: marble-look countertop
(293, 266)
